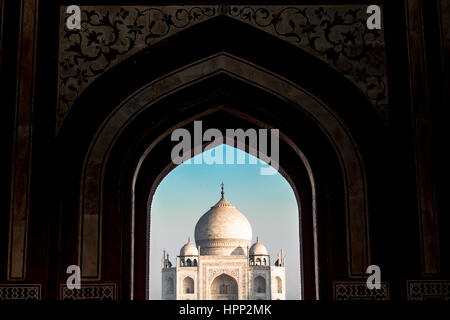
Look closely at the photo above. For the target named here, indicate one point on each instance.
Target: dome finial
(222, 193)
(257, 238)
(189, 239)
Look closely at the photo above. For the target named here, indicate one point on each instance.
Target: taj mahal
(222, 265)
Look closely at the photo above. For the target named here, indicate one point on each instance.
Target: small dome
(189, 249)
(258, 249)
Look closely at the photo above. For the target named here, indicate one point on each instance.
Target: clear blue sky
(189, 190)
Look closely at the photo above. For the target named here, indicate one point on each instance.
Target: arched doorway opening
(115, 164)
(190, 189)
(169, 285)
(279, 284)
(224, 287)
(188, 285)
(260, 284)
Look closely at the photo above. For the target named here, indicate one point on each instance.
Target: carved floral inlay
(110, 34)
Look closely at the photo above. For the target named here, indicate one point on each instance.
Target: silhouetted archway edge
(325, 117)
(169, 167)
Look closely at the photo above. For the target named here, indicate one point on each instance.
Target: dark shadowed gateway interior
(362, 116)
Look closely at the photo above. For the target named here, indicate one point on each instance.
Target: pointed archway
(224, 287)
(124, 151)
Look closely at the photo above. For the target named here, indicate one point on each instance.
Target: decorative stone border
(359, 291)
(20, 292)
(91, 291)
(428, 290)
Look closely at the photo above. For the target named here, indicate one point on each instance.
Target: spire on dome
(222, 192)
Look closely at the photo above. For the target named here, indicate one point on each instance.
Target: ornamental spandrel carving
(109, 34)
(213, 272)
(337, 35)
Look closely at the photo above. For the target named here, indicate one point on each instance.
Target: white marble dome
(189, 249)
(258, 249)
(223, 230)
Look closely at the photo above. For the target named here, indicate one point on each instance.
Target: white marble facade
(222, 265)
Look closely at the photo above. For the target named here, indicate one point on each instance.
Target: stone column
(420, 105)
(22, 144)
